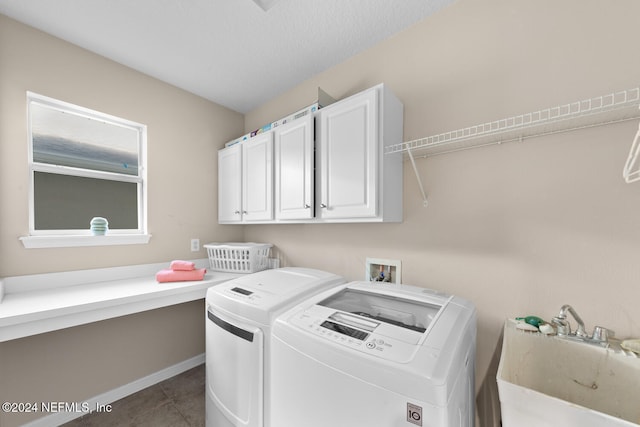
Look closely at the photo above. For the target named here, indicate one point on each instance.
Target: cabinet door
(257, 178)
(347, 159)
(294, 170)
(230, 184)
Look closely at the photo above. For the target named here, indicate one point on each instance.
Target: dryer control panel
(244, 294)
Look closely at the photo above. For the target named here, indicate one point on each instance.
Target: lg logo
(414, 414)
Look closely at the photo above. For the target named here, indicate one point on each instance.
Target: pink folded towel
(178, 265)
(167, 275)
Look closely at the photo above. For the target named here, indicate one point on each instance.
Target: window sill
(47, 302)
(62, 241)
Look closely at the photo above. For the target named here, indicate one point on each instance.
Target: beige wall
(184, 133)
(520, 228)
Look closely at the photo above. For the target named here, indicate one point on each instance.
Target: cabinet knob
(237, 212)
(306, 206)
(322, 205)
(244, 212)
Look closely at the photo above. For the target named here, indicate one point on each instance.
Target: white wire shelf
(611, 108)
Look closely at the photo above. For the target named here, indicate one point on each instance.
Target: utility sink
(551, 381)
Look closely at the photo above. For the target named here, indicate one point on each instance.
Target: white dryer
(365, 354)
(239, 315)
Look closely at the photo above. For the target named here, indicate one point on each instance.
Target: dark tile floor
(178, 401)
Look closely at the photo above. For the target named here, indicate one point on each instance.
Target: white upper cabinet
(355, 180)
(257, 178)
(294, 175)
(340, 174)
(245, 181)
(230, 184)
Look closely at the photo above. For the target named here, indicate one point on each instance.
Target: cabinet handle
(237, 212)
(244, 212)
(306, 206)
(322, 205)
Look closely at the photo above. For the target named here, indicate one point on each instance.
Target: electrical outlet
(195, 245)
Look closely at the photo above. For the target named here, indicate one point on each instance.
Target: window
(84, 164)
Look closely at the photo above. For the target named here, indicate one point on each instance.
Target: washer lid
(415, 315)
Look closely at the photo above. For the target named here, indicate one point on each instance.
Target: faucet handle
(601, 333)
(562, 325)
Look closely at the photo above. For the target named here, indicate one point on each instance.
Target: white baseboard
(120, 392)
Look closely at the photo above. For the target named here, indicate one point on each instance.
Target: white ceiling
(232, 52)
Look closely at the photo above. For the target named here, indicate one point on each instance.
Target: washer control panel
(345, 330)
(361, 334)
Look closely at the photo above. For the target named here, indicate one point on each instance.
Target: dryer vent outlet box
(383, 270)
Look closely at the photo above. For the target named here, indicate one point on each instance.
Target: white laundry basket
(238, 257)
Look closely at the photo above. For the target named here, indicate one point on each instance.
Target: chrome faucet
(564, 328)
(600, 335)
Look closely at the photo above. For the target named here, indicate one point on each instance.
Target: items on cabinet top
(324, 99)
(611, 108)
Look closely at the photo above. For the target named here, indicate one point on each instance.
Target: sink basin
(550, 381)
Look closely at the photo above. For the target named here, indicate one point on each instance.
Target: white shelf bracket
(631, 170)
(425, 202)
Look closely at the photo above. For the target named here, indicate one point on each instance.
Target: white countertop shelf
(611, 108)
(46, 302)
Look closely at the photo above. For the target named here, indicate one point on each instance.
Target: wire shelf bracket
(425, 202)
(631, 170)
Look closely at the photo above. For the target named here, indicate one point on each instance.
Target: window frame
(83, 237)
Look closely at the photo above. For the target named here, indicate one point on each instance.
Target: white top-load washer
(365, 354)
(239, 315)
